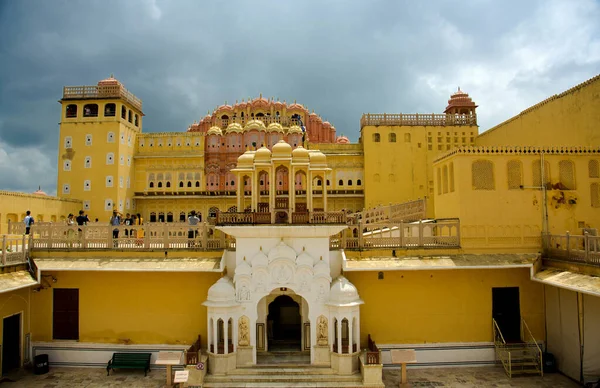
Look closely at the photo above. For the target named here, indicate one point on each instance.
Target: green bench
(129, 361)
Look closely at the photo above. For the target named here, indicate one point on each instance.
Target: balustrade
(14, 249)
(583, 249)
(427, 119)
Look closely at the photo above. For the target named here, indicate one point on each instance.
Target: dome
(282, 250)
(260, 102)
(282, 149)
(317, 157)
(460, 99)
(242, 105)
(256, 125)
(246, 159)
(295, 129)
(313, 114)
(262, 155)
(322, 268)
(342, 140)
(243, 269)
(326, 124)
(343, 293)
(40, 192)
(235, 127)
(110, 81)
(225, 108)
(222, 293)
(304, 259)
(215, 131)
(278, 105)
(260, 259)
(296, 106)
(300, 153)
(274, 127)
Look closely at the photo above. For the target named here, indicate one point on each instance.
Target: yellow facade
(130, 307)
(17, 302)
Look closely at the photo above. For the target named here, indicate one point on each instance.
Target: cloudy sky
(340, 58)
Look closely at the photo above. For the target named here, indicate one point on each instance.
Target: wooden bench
(129, 361)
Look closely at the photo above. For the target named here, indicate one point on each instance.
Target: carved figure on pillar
(243, 332)
(322, 336)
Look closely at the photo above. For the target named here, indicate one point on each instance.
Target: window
(128, 182)
(67, 165)
(110, 137)
(122, 138)
(129, 140)
(129, 160)
(127, 204)
(566, 173)
(349, 182)
(110, 158)
(120, 181)
(129, 116)
(88, 140)
(159, 184)
(109, 181)
(68, 142)
(407, 137)
(90, 110)
(445, 179)
(358, 182)
(319, 182)
(180, 183)
(168, 184)
(71, 111)
(451, 177)
(122, 160)
(123, 112)
(65, 314)
(392, 137)
(593, 169)
(340, 182)
(108, 204)
(87, 185)
(197, 184)
(87, 162)
(376, 137)
(110, 110)
(151, 184)
(66, 189)
(189, 184)
(137, 120)
(514, 174)
(537, 173)
(482, 175)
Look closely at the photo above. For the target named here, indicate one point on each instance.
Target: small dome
(262, 155)
(282, 149)
(313, 114)
(260, 102)
(317, 157)
(225, 108)
(282, 250)
(274, 127)
(296, 106)
(222, 293)
(246, 159)
(40, 192)
(322, 269)
(300, 153)
(278, 105)
(242, 105)
(342, 140)
(460, 99)
(304, 259)
(215, 131)
(260, 260)
(256, 125)
(295, 129)
(343, 293)
(326, 124)
(110, 81)
(235, 127)
(243, 269)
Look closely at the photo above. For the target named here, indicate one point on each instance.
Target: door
(65, 322)
(506, 311)
(11, 340)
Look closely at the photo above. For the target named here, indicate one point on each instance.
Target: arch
(281, 174)
(341, 182)
(123, 112)
(129, 116)
(212, 212)
(566, 174)
(482, 175)
(137, 120)
(358, 182)
(376, 137)
(595, 194)
(180, 183)
(284, 323)
(349, 182)
(71, 111)
(110, 109)
(300, 180)
(514, 173)
(392, 137)
(90, 110)
(197, 183)
(189, 184)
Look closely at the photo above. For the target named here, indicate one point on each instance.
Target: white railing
(406, 212)
(14, 249)
(583, 249)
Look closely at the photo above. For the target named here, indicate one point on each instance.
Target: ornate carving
(243, 332)
(282, 273)
(244, 293)
(322, 332)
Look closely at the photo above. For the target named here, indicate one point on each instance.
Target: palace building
(471, 248)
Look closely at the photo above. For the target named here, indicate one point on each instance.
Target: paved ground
(483, 377)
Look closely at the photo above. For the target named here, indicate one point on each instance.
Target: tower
(460, 103)
(98, 130)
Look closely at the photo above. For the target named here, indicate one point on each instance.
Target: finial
(321, 258)
(303, 249)
(261, 248)
(236, 102)
(294, 101)
(277, 98)
(40, 187)
(244, 258)
(261, 95)
(112, 75)
(225, 102)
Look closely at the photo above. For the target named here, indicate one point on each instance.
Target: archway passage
(284, 324)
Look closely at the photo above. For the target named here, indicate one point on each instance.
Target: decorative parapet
(519, 150)
(101, 91)
(407, 211)
(37, 196)
(417, 119)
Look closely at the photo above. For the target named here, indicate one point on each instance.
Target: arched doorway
(284, 325)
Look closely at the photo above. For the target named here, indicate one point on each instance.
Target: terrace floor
(480, 377)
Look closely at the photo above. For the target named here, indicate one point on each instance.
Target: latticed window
(392, 138)
(482, 175)
(376, 137)
(595, 194)
(451, 177)
(593, 169)
(537, 173)
(514, 174)
(445, 179)
(566, 173)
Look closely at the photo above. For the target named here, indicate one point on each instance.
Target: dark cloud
(340, 58)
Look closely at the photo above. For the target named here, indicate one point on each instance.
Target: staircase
(520, 358)
(284, 375)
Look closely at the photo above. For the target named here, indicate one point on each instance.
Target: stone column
(324, 182)
(350, 339)
(239, 191)
(215, 335)
(339, 336)
(291, 192)
(226, 336)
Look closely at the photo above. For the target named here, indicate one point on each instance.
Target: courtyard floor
(481, 377)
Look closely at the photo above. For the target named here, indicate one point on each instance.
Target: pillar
(291, 192)
(339, 336)
(239, 192)
(350, 347)
(215, 336)
(324, 182)
(226, 336)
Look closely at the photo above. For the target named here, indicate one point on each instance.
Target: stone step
(321, 384)
(283, 378)
(283, 369)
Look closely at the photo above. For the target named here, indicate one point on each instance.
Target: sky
(340, 58)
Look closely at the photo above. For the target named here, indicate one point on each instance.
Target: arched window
(110, 158)
(319, 183)
(341, 182)
(392, 137)
(595, 194)
(376, 137)
(90, 110)
(593, 169)
(566, 173)
(358, 182)
(482, 175)
(189, 184)
(159, 184)
(110, 137)
(137, 120)
(197, 183)
(514, 174)
(407, 137)
(328, 184)
(129, 116)
(181, 184)
(110, 110)
(151, 184)
(349, 182)
(123, 112)
(71, 111)
(445, 179)
(168, 184)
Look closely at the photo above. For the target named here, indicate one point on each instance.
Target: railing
(417, 119)
(103, 91)
(266, 120)
(407, 211)
(533, 349)
(373, 353)
(500, 349)
(242, 218)
(221, 348)
(192, 356)
(345, 347)
(583, 249)
(254, 218)
(518, 357)
(14, 249)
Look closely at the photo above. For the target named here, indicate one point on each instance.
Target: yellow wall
(440, 306)
(570, 118)
(401, 171)
(13, 206)
(144, 307)
(11, 303)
